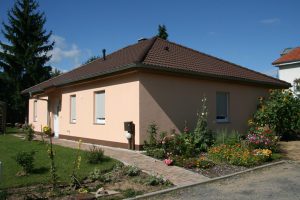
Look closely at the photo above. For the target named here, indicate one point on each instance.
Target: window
(35, 111)
(222, 103)
(100, 107)
(73, 109)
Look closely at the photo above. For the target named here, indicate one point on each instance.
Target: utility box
(128, 126)
(2, 117)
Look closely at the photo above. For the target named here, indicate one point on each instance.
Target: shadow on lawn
(40, 170)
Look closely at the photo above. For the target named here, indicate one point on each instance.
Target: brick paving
(178, 176)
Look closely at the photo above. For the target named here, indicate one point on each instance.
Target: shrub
(25, 160)
(95, 174)
(29, 132)
(131, 193)
(95, 155)
(154, 180)
(204, 163)
(185, 162)
(280, 112)
(132, 170)
(234, 154)
(155, 153)
(152, 132)
(262, 138)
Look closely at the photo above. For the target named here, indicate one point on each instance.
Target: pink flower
(168, 161)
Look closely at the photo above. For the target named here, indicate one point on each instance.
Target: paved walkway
(291, 149)
(178, 176)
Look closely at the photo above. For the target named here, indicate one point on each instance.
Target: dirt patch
(127, 186)
(220, 170)
(291, 149)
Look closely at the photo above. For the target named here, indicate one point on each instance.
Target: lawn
(64, 158)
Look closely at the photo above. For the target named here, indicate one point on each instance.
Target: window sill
(99, 123)
(222, 121)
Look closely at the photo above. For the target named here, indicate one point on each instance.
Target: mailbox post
(129, 129)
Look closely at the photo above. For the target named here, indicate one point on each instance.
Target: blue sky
(249, 33)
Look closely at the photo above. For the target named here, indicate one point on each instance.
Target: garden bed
(108, 174)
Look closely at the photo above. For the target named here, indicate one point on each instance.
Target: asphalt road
(280, 182)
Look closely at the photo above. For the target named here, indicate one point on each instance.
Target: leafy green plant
(95, 174)
(202, 136)
(95, 155)
(132, 170)
(280, 112)
(3, 194)
(131, 193)
(51, 154)
(154, 180)
(224, 137)
(158, 153)
(152, 133)
(29, 132)
(25, 160)
(75, 182)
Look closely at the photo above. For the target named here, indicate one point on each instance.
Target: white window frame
(73, 120)
(100, 121)
(226, 119)
(35, 111)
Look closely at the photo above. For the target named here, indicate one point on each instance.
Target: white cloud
(270, 21)
(63, 51)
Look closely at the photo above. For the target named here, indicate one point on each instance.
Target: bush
(95, 174)
(155, 153)
(131, 193)
(29, 132)
(154, 180)
(132, 170)
(95, 155)
(234, 154)
(262, 138)
(204, 163)
(25, 160)
(280, 112)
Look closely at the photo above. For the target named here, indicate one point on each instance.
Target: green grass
(13, 130)
(64, 158)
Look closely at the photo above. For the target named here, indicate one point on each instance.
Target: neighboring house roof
(160, 55)
(292, 56)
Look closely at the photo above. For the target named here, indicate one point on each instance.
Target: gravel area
(279, 182)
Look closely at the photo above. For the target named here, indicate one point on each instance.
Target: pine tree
(24, 58)
(162, 32)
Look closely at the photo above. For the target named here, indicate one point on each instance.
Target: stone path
(291, 149)
(178, 176)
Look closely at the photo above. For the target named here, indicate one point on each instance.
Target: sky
(248, 33)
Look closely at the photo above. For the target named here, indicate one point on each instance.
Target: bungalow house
(289, 65)
(152, 80)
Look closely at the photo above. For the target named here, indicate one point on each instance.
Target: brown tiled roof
(292, 56)
(159, 54)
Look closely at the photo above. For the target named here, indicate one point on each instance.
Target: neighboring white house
(289, 65)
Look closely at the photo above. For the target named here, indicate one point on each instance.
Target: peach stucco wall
(41, 112)
(144, 98)
(121, 104)
(170, 100)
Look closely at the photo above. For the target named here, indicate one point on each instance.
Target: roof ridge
(145, 53)
(220, 59)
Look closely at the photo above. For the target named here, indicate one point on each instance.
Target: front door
(56, 120)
